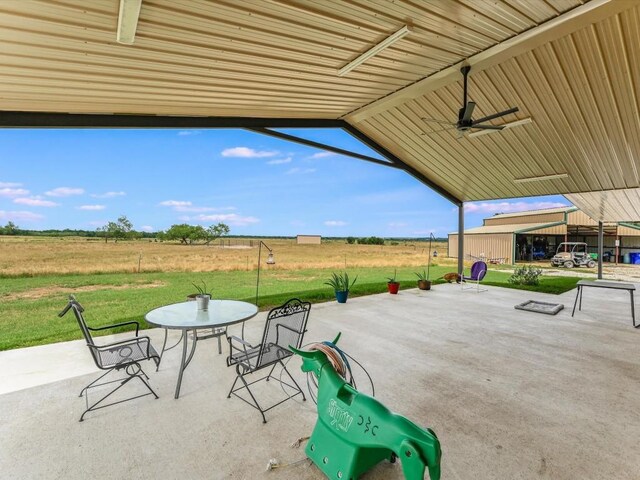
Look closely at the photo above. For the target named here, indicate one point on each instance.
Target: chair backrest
(478, 271)
(285, 326)
(86, 333)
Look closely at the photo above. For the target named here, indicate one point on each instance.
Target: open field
(64, 255)
(39, 274)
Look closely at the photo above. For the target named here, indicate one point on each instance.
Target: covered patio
(510, 394)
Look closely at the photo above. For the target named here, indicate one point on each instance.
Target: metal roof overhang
(570, 65)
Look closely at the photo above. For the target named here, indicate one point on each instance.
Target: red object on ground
(393, 287)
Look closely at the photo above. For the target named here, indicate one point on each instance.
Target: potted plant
(423, 280)
(202, 297)
(341, 286)
(392, 284)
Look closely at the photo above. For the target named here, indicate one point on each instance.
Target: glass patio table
(185, 316)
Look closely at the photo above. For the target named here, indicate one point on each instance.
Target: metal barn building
(536, 234)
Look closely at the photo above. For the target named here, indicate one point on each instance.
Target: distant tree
(190, 234)
(10, 229)
(118, 230)
(351, 240)
(371, 241)
(215, 231)
(181, 232)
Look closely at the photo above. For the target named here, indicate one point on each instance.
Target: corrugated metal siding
(537, 218)
(580, 218)
(497, 245)
(628, 232)
(239, 58)
(580, 90)
(555, 230)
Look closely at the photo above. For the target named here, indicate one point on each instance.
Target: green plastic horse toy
(355, 432)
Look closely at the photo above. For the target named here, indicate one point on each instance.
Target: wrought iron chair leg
(264, 420)
(133, 371)
(147, 384)
(271, 371)
(304, 399)
(91, 384)
(233, 386)
(219, 344)
(93, 407)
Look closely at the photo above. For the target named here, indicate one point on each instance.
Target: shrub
(351, 240)
(526, 275)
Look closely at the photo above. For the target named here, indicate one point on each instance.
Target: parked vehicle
(572, 254)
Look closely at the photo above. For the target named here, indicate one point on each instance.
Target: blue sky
(257, 185)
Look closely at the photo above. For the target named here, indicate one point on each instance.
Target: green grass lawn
(29, 305)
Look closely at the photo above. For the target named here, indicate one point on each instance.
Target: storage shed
(309, 239)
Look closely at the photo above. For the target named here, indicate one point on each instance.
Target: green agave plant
(340, 282)
(422, 276)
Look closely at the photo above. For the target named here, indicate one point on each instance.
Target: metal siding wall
(628, 232)
(557, 230)
(490, 246)
(544, 218)
(580, 218)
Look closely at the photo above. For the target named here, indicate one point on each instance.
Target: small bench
(630, 287)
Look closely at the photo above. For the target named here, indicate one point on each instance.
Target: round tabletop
(186, 316)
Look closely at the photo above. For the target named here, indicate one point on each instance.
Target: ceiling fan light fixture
(128, 21)
(541, 178)
(505, 126)
(390, 40)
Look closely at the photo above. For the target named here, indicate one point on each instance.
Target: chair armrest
(238, 339)
(107, 327)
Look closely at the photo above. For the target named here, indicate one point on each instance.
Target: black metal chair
(122, 355)
(286, 325)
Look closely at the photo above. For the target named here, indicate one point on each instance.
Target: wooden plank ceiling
(279, 59)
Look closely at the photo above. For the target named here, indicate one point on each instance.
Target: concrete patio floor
(511, 395)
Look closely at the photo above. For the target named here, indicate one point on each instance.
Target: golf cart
(572, 254)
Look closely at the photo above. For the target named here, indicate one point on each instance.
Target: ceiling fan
(465, 121)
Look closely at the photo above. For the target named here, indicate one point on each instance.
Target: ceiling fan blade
(496, 115)
(488, 127)
(435, 120)
(468, 111)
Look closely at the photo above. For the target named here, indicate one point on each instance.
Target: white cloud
(335, 223)
(175, 203)
(184, 133)
(509, 207)
(300, 171)
(65, 192)
(13, 192)
(108, 194)
(246, 152)
(91, 207)
(322, 155)
(9, 184)
(180, 208)
(228, 218)
(20, 216)
(35, 202)
(147, 228)
(279, 161)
